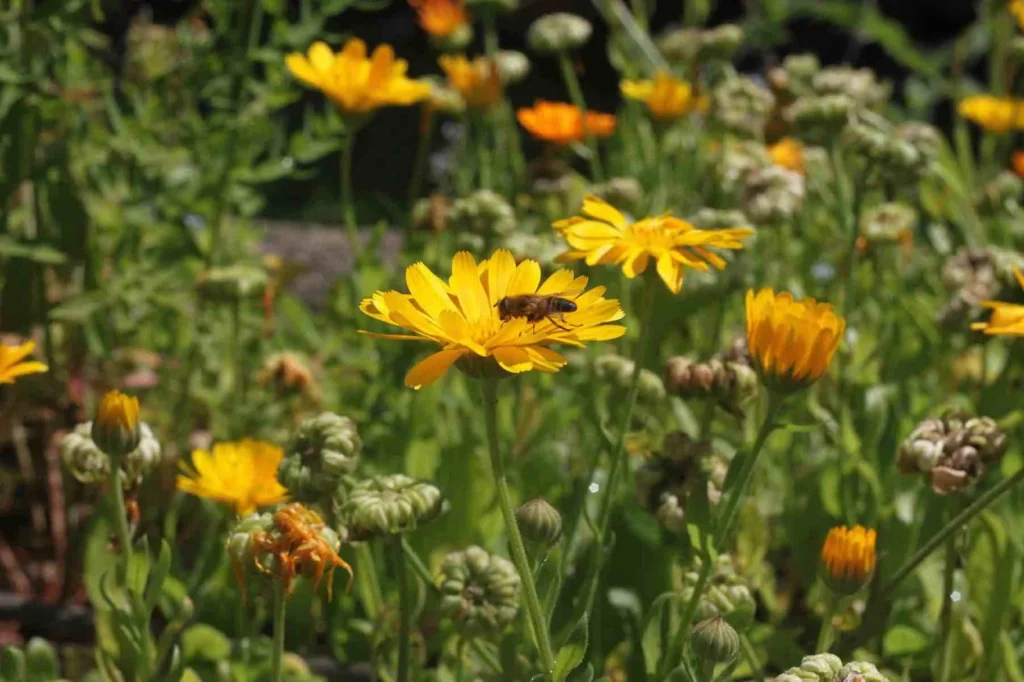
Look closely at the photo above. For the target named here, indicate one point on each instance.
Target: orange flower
(789, 154)
(1018, 163)
(477, 80)
(563, 123)
(440, 18)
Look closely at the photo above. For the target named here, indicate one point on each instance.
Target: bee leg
(552, 321)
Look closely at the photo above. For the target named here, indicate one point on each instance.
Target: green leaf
(158, 574)
(903, 640)
(35, 252)
(12, 664)
(585, 674)
(203, 642)
(572, 652)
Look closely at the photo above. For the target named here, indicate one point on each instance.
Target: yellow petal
(596, 207)
(321, 57)
(525, 279)
(513, 359)
(431, 368)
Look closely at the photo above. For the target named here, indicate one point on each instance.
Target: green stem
(946, 615)
(422, 152)
(490, 36)
(124, 541)
(957, 522)
(366, 574)
(348, 206)
(640, 12)
(277, 652)
(515, 540)
(404, 609)
(750, 655)
(576, 95)
(483, 151)
(826, 631)
(707, 671)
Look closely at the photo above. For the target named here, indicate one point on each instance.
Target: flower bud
(860, 85)
(484, 213)
(41, 660)
(892, 222)
(952, 452)
(717, 218)
(719, 43)
(619, 371)
(325, 449)
(89, 465)
(539, 522)
(513, 66)
(670, 513)
(773, 195)
(558, 32)
(816, 668)
(741, 106)
(389, 505)
(729, 382)
(479, 592)
(288, 373)
(848, 558)
(818, 119)
(232, 283)
(680, 45)
(726, 594)
(796, 75)
(715, 641)
(115, 430)
(859, 671)
(737, 161)
(874, 139)
(455, 41)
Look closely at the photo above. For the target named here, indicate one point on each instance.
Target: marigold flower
(848, 558)
(357, 85)
(115, 430)
(13, 365)
(241, 474)
(563, 123)
(1007, 318)
(791, 342)
(788, 153)
(667, 97)
(603, 235)
(477, 80)
(440, 18)
(461, 315)
(994, 114)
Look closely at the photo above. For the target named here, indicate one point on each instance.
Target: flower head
(477, 80)
(389, 505)
(603, 235)
(462, 316)
(994, 114)
(479, 591)
(354, 83)
(13, 365)
(440, 18)
(242, 474)
(848, 558)
(667, 97)
(788, 153)
(115, 429)
(563, 123)
(1007, 318)
(791, 342)
(1017, 9)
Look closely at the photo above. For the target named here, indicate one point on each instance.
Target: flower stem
(404, 609)
(483, 151)
(946, 615)
(825, 633)
(422, 151)
(120, 521)
(515, 540)
(369, 587)
(572, 84)
(348, 207)
(277, 652)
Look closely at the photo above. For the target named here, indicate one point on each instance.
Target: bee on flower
(563, 124)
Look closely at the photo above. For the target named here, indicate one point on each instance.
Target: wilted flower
(619, 371)
(1007, 318)
(773, 195)
(741, 106)
(715, 641)
(848, 558)
(730, 383)
(974, 276)
(667, 98)
(479, 592)
(665, 481)
(325, 448)
(241, 474)
(558, 32)
(887, 223)
(478, 81)
(355, 83)
(603, 235)
(719, 42)
(289, 373)
(789, 154)
(539, 522)
(562, 123)
(88, 464)
(14, 365)
(462, 317)
(115, 430)
(445, 21)
(819, 118)
(791, 342)
(951, 452)
(994, 114)
(860, 85)
(726, 594)
(388, 505)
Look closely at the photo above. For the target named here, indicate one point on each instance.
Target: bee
(535, 308)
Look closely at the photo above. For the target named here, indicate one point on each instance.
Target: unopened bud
(859, 671)
(513, 67)
(558, 32)
(479, 592)
(539, 522)
(115, 430)
(325, 449)
(715, 641)
(232, 283)
(389, 505)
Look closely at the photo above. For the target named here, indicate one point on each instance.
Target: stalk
(124, 541)
(404, 609)
(826, 632)
(277, 652)
(576, 95)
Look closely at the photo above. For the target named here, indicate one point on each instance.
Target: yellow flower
(1017, 9)
(357, 85)
(462, 316)
(667, 97)
(789, 154)
(994, 114)
(12, 364)
(440, 18)
(477, 81)
(848, 558)
(791, 342)
(242, 474)
(1007, 318)
(603, 235)
(115, 430)
(563, 123)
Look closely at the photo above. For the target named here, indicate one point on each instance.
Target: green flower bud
(12, 664)
(890, 222)
(558, 32)
(773, 195)
(715, 641)
(717, 219)
(513, 67)
(242, 551)
(737, 161)
(726, 594)
(619, 371)
(719, 43)
(389, 505)
(860, 671)
(680, 45)
(90, 465)
(325, 449)
(741, 106)
(816, 668)
(479, 592)
(445, 99)
(232, 283)
(483, 213)
(874, 139)
(860, 85)
(796, 75)
(818, 119)
(926, 141)
(539, 522)
(41, 660)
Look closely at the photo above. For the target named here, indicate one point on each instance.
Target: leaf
(203, 642)
(903, 640)
(158, 575)
(572, 652)
(585, 674)
(35, 252)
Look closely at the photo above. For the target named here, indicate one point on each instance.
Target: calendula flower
(357, 85)
(563, 123)
(241, 474)
(994, 114)
(667, 97)
(115, 430)
(477, 80)
(440, 18)
(13, 364)
(462, 317)
(603, 235)
(789, 154)
(848, 558)
(791, 342)
(1007, 318)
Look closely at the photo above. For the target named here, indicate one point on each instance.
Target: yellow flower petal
(431, 368)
